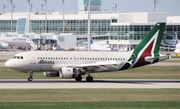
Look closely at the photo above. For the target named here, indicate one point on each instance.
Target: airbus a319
(74, 64)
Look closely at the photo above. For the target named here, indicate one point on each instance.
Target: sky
(172, 7)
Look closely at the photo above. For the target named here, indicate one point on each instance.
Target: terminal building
(116, 27)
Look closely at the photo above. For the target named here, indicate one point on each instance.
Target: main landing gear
(79, 78)
(88, 78)
(30, 76)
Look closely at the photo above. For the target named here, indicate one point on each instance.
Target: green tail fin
(152, 41)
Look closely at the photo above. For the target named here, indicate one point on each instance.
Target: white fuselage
(54, 60)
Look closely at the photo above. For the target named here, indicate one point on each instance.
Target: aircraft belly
(46, 67)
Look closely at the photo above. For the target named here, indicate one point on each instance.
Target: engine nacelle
(69, 72)
(51, 74)
(4, 45)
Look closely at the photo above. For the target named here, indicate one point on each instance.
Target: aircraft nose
(8, 64)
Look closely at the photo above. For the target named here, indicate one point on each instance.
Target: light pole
(89, 25)
(42, 5)
(155, 2)
(11, 2)
(63, 15)
(45, 1)
(4, 7)
(29, 4)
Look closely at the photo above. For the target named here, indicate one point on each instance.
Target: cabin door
(32, 58)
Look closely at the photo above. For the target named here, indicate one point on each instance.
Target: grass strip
(93, 105)
(88, 95)
(90, 98)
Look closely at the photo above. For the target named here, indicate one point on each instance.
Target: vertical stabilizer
(148, 49)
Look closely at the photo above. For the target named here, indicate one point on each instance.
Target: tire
(30, 79)
(89, 79)
(79, 78)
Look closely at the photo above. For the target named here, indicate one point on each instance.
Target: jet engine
(4, 45)
(69, 72)
(51, 74)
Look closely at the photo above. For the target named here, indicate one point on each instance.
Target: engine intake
(69, 72)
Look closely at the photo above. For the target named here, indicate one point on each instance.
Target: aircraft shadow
(95, 81)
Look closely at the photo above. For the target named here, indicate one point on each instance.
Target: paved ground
(71, 84)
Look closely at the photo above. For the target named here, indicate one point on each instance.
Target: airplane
(5, 42)
(74, 64)
(96, 47)
(100, 47)
(177, 44)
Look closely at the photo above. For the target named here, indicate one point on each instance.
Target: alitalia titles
(45, 62)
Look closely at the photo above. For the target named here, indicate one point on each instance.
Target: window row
(76, 58)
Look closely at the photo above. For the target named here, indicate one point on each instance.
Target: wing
(103, 66)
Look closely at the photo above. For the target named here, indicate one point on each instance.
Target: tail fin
(149, 47)
(152, 41)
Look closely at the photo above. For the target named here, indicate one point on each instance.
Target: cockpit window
(18, 57)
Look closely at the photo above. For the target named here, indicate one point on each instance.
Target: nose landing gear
(30, 76)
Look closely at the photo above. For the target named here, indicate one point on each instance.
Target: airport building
(105, 24)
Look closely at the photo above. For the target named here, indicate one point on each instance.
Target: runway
(106, 84)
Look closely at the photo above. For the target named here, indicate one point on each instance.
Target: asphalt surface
(71, 84)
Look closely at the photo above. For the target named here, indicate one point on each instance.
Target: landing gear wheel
(30, 79)
(79, 78)
(30, 76)
(89, 79)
